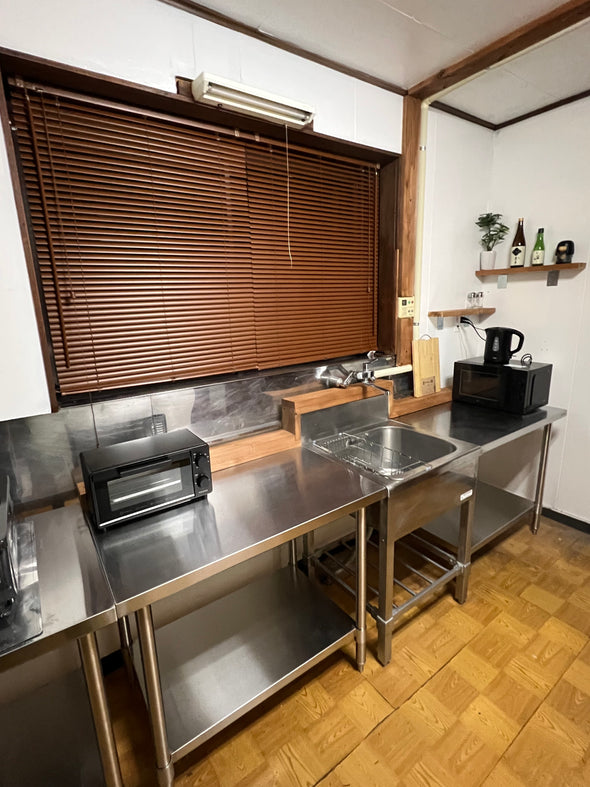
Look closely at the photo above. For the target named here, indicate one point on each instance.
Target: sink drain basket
(369, 455)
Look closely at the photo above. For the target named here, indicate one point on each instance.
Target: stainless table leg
(386, 555)
(125, 637)
(149, 658)
(126, 641)
(464, 547)
(541, 479)
(308, 550)
(361, 588)
(100, 709)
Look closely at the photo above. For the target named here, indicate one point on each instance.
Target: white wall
(150, 43)
(539, 169)
(23, 390)
(459, 159)
(542, 172)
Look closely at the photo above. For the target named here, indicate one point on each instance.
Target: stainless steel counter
(496, 510)
(254, 507)
(75, 596)
(188, 666)
(75, 602)
(481, 426)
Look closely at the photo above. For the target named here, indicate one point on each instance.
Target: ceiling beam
(519, 40)
(463, 115)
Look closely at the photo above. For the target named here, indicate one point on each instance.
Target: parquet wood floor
(495, 692)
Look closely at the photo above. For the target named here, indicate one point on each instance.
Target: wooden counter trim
(294, 406)
(236, 452)
(411, 404)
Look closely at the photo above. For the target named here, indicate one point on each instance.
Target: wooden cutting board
(426, 366)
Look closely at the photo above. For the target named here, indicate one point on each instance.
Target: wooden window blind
(314, 255)
(169, 251)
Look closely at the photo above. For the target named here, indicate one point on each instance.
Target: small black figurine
(564, 251)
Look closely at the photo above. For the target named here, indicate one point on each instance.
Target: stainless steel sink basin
(389, 449)
(408, 442)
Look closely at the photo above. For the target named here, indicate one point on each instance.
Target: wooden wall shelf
(565, 266)
(461, 312)
(439, 316)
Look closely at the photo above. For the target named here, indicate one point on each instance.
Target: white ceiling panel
(560, 66)
(369, 36)
(406, 41)
(461, 20)
(497, 96)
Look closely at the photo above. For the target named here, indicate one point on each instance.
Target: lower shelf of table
(224, 659)
(496, 511)
(47, 737)
(420, 568)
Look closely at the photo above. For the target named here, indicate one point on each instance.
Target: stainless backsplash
(40, 453)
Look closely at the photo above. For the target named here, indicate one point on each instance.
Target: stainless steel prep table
(208, 668)
(75, 602)
(496, 510)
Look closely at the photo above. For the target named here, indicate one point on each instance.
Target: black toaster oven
(513, 387)
(139, 477)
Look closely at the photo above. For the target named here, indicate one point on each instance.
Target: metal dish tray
(370, 455)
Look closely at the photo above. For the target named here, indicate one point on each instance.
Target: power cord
(467, 321)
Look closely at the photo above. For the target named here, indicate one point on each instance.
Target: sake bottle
(518, 250)
(538, 255)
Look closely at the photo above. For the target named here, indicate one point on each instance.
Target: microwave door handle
(162, 462)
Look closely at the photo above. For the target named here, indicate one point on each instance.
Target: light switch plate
(405, 306)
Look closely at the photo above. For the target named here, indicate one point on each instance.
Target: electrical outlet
(405, 306)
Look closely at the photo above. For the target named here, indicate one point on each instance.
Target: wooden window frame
(31, 68)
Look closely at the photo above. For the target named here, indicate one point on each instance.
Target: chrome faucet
(365, 376)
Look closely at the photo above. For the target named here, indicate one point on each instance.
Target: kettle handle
(520, 342)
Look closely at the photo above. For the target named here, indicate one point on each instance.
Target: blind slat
(182, 252)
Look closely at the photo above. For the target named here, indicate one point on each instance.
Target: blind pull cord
(288, 197)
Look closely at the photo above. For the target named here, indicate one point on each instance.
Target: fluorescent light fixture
(220, 92)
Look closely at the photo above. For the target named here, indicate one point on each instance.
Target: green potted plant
(493, 232)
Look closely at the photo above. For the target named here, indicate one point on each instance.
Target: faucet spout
(386, 391)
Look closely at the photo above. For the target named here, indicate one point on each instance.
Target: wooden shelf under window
(461, 312)
(564, 266)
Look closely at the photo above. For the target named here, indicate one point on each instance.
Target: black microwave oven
(139, 477)
(512, 387)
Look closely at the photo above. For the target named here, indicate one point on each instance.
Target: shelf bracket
(502, 281)
(440, 323)
(552, 278)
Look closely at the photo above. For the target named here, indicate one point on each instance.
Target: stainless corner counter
(496, 510)
(75, 602)
(75, 596)
(209, 667)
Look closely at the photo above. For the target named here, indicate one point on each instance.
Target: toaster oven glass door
(146, 489)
